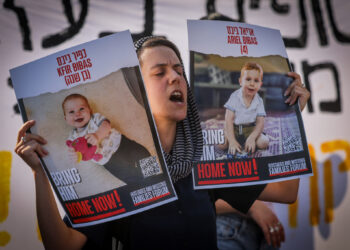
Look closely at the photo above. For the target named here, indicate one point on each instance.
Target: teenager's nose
(174, 76)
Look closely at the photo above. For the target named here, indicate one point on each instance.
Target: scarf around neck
(188, 145)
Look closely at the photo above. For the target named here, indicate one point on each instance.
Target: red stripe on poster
(153, 199)
(290, 172)
(98, 217)
(228, 181)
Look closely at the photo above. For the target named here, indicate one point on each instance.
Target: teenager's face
(165, 83)
(77, 112)
(250, 82)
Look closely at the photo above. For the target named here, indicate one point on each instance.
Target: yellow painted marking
(293, 214)
(5, 238)
(331, 146)
(5, 175)
(38, 232)
(314, 215)
(328, 191)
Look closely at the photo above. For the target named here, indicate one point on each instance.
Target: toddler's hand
(92, 139)
(250, 145)
(233, 147)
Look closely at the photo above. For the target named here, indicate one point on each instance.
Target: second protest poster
(239, 77)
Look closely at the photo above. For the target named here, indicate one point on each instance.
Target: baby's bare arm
(101, 133)
(229, 133)
(103, 130)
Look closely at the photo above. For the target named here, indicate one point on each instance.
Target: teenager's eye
(160, 73)
(179, 72)
(81, 109)
(71, 112)
(248, 79)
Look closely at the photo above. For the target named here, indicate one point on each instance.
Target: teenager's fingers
(295, 83)
(25, 150)
(279, 234)
(35, 137)
(292, 74)
(287, 100)
(22, 131)
(296, 76)
(18, 149)
(267, 234)
(41, 151)
(293, 98)
(28, 139)
(278, 239)
(289, 89)
(22, 147)
(282, 233)
(31, 147)
(273, 238)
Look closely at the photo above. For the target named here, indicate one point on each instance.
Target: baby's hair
(75, 96)
(252, 66)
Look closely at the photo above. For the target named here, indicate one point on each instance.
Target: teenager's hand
(29, 146)
(297, 91)
(250, 144)
(233, 147)
(92, 139)
(268, 222)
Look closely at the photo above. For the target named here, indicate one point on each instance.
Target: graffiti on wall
(75, 25)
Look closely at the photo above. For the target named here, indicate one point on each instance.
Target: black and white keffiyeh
(188, 144)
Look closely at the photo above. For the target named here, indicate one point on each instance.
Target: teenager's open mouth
(176, 96)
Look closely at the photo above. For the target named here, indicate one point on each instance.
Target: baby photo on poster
(89, 103)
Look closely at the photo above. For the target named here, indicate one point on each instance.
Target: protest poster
(89, 102)
(239, 77)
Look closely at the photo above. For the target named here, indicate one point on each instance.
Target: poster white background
(321, 214)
